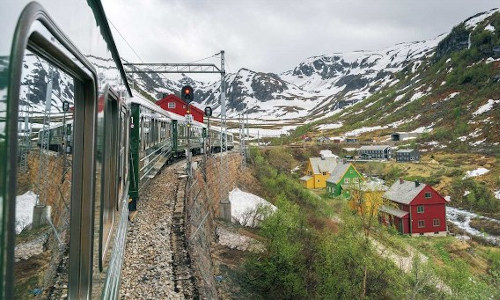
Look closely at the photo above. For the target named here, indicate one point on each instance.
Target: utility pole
(248, 139)
(225, 204)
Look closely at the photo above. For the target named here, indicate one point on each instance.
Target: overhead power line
(128, 44)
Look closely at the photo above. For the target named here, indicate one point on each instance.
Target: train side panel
(50, 58)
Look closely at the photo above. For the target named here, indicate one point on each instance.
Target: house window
(420, 209)
(355, 180)
(427, 195)
(421, 223)
(171, 104)
(435, 222)
(351, 171)
(346, 180)
(324, 173)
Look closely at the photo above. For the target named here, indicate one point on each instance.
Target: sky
(275, 35)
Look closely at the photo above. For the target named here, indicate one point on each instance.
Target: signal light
(187, 94)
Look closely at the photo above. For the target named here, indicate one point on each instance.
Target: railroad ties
(157, 263)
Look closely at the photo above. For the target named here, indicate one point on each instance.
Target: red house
(414, 208)
(176, 105)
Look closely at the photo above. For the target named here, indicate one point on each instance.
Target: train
(66, 192)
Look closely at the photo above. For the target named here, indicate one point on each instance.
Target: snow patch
(361, 130)
(246, 208)
(24, 210)
(398, 98)
(476, 172)
(486, 107)
(489, 28)
(330, 126)
(497, 194)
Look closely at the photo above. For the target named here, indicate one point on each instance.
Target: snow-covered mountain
(322, 85)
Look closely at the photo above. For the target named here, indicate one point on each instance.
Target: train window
(53, 168)
(107, 163)
(44, 175)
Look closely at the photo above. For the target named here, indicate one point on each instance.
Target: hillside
(453, 94)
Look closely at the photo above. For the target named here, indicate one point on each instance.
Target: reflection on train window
(44, 158)
(109, 179)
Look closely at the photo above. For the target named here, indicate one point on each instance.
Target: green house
(344, 174)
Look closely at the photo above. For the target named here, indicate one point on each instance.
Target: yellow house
(318, 171)
(366, 197)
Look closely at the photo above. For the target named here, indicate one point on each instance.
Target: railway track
(157, 263)
(184, 281)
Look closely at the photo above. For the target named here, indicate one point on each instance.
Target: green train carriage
(73, 204)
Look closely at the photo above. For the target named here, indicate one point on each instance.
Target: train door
(49, 192)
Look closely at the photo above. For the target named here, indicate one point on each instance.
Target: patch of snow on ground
(475, 133)
(416, 96)
(486, 107)
(24, 210)
(477, 142)
(361, 130)
(399, 97)
(466, 193)
(451, 96)
(476, 172)
(422, 129)
(330, 126)
(462, 138)
(489, 28)
(497, 194)
(245, 206)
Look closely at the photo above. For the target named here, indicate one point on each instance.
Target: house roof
(305, 178)
(338, 172)
(403, 191)
(393, 211)
(405, 150)
(374, 147)
(323, 165)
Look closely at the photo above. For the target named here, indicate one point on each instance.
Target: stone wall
(211, 182)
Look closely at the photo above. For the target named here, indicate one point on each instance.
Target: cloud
(273, 36)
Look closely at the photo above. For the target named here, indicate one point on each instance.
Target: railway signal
(187, 94)
(208, 111)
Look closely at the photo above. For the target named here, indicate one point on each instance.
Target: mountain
(453, 93)
(448, 83)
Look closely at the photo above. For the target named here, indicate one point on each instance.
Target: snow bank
(246, 208)
(330, 126)
(486, 107)
(24, 210)
(476, 172)
(490, 28)
(361, 130)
